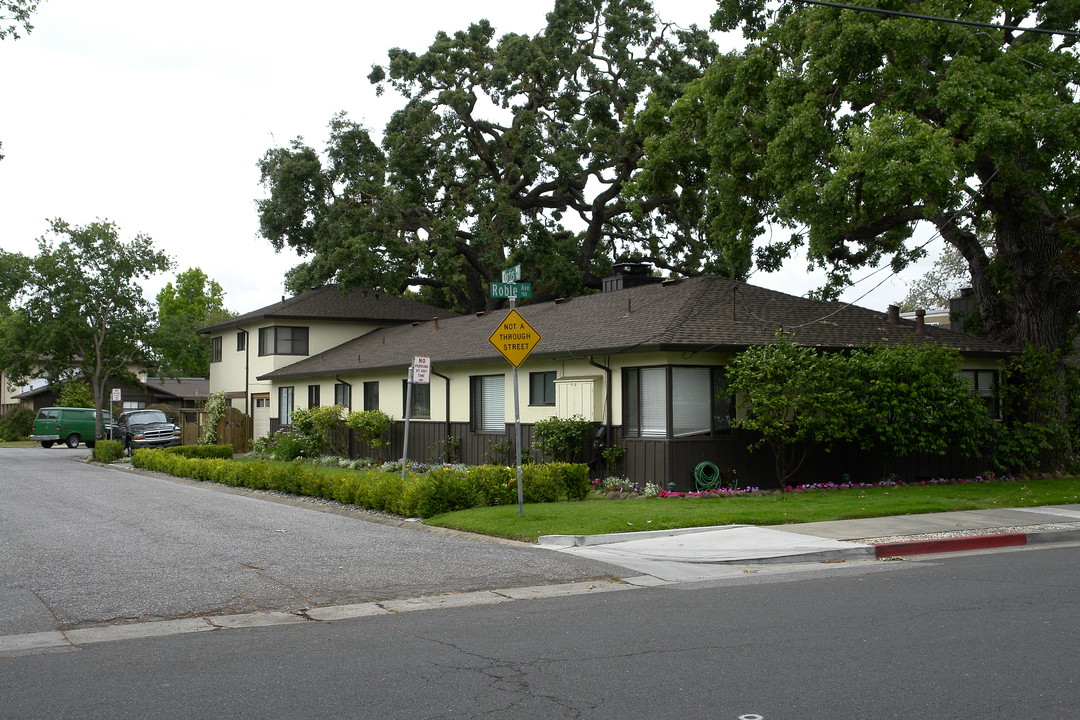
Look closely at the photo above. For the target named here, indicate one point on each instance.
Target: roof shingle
(707, 313)
(331, 303)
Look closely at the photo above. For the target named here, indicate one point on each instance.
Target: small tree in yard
(81, 305)
(372, 427)
(797, 398)
(75, 393)
(318, 425)
(561, 438)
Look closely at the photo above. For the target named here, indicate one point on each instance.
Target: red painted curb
(956, 544)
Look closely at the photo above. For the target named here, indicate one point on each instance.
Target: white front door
(260, 415)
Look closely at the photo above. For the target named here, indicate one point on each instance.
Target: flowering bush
(616, 484)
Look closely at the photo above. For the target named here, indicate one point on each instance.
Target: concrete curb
(971, 542)
(565, 541)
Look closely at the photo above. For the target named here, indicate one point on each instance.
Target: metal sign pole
(517, 437)
(408, 409)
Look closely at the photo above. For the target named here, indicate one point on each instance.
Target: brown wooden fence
(234, 428)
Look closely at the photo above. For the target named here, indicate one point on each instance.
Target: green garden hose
(707, 476)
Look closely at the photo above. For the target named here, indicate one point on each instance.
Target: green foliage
(288, 444)
(215, 411)
(613, 455)
(914, 401)
(850, 128)
(448, 449)
(437, 492)
(798, 399)
(193, 302)
(17, 424)
(561, 438)
(1035, 384)
(202, 451)
(898, 400)
(501, 452)
(372, 427)
(442, 491)
(495, 484)
(15, 15)
(81, 306)
(458, 186)
(573, 478)
(319, 427)
(75, 393)
(107, 451)
(940, 284)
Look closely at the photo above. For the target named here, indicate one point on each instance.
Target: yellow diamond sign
(514, 338)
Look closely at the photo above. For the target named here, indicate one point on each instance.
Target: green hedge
(202, 451)
(433, 493)
(108, 451)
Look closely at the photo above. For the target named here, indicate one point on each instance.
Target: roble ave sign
(514, 338)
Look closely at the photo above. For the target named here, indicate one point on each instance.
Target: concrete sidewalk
(686, 553)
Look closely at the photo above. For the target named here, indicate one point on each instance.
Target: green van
(68, 425)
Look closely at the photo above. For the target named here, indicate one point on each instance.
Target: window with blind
(343, 395)
(371, 395)
(488, 401)
(675, 401)
(283, 341)
(286, 400)
(420, 399)
(984, 384)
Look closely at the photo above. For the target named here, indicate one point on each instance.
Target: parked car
(69, 426)
(146, 429)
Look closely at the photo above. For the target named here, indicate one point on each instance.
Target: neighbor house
(248, 347)
(643, 360)
(179, 393)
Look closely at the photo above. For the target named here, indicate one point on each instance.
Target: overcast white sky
(153, 115)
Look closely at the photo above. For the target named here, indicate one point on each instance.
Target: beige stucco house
(246, 348)
(643, 361)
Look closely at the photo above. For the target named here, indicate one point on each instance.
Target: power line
(955, 21)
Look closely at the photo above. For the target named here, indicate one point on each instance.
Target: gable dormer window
(283, 340)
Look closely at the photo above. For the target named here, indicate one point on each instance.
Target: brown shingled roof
(329, 303)
(706, 313)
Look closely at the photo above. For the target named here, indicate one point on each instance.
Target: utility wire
(955, 21)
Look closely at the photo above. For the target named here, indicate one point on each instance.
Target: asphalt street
(82, 545)
(978, 636)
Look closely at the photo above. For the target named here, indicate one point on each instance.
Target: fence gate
(233, 430)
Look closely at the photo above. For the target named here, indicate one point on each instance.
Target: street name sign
(511, 290)
(511, 275)
(514, 338)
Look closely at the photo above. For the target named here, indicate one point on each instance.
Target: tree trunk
(1041, 296)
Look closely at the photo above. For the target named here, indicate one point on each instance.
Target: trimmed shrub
(493, 484)
(17, 424)
(439, 491)
(202, 451)
(574, 478)
(539, 484)
(107, 451)
(561, 439)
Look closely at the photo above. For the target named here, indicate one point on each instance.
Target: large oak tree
(509, 150)
(850, 128)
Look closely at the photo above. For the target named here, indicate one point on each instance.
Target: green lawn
(20, 444)
(607, 516)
